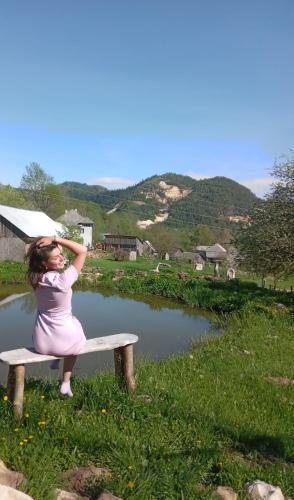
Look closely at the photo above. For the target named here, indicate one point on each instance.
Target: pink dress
(57, 331)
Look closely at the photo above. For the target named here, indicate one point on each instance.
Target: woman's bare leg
(68, 365)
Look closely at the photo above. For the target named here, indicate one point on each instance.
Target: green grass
(211, 417)
(144, 264)
(12, 272)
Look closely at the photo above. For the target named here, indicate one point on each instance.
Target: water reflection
(163, 326)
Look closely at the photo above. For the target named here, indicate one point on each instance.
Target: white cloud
(197, 176)
(112, 182)
(259, 186)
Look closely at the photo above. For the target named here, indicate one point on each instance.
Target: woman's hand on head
(45, 241)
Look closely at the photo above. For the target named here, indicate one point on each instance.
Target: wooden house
(124, 242)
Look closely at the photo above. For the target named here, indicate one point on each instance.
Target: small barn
(124, 242)
(192, 257)
(216, 253)
(19, 227)
(85, 225)
(212, 253)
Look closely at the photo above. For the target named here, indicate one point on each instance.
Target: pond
(164, 327)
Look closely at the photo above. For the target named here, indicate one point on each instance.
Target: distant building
(85, 225)
(124, 242)
(19, 227)
(192, 257)
(149, 248)
(211, 253)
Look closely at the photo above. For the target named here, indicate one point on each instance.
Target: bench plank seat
(26, 356)
(121, 344)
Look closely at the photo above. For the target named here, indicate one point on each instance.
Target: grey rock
(106, 495)
(8, 493)
(225, 493)
(76, 479)
(259, 490)
(10, 477)
(68, 495)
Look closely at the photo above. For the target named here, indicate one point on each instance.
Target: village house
(85, 225)
(124, 242)
(212, 253)
(19, 227)
(192, 257)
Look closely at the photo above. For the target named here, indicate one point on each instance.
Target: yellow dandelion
(42, 397)
(5, 397)
(16, 429)
(30, 437)
(27, 415)
(130, 467)
(21, 443)
(131, 485)
(25, 440)
(41, 423)
(104, 411)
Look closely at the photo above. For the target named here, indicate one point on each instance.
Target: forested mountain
(176, 199)
(81, 191)
(172, 211)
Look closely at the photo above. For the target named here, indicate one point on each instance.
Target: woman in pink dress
(57, 331)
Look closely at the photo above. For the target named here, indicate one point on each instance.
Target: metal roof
(32, 223)
(73, 217)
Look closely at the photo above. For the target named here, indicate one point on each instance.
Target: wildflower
(25, 440)
(30, 437)
(42, 397)
(130, 467)
(104, 411)
(131, 485)
(5, 397)
(41, 423)
(21, 443)
(16, 429)
(27, 415)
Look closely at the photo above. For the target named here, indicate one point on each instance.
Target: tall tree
(267, 243)
(163, 238)
(203, 235)
(34, 182)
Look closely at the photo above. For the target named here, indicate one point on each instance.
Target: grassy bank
(202, 291)
(218, 415)
(211, 417)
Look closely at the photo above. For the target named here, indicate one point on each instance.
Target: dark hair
(36, 258)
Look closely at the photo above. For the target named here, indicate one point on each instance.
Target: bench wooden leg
(124, 366)
(118, 363)
(15, 388)
(11, 382)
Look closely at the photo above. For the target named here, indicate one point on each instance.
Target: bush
(120, 254)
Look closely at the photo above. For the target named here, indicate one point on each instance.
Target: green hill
(180, 199)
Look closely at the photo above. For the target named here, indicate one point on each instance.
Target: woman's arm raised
(80, 251)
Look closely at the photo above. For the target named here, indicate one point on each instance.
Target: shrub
(120, 254)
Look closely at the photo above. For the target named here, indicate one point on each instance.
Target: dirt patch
(281, 380)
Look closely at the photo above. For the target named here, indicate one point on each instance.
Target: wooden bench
(17, 359)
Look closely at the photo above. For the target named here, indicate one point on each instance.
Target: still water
(164, 327)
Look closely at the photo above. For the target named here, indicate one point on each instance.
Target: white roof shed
(32, 223)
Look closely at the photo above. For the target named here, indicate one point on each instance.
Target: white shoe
(65, 389)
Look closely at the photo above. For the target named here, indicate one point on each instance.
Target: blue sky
(112, 92)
